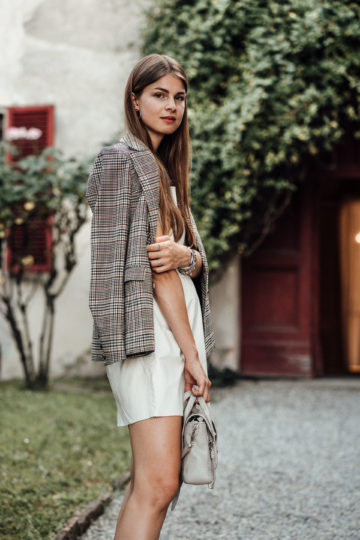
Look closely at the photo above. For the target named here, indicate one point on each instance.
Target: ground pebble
(289, 467)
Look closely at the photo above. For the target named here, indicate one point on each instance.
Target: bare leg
(156, 446)
(128, 490)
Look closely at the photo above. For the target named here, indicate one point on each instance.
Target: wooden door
(349, 224)
(280, 297)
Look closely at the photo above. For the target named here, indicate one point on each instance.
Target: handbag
(199, 453)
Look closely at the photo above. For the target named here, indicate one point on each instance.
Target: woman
(149, 287)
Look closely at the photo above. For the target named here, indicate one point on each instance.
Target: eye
(180, 98)
(159, 94)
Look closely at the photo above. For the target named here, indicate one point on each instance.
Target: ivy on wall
(272, 85)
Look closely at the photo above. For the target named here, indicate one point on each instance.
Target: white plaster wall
(77, 56)
(225, 307)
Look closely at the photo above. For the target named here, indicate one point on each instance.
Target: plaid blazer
(123, 194)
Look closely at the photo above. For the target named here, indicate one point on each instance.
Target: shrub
(272, 86)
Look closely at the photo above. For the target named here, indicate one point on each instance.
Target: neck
(156, 138)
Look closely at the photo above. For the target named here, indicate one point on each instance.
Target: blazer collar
(148, 174)
(133, 142)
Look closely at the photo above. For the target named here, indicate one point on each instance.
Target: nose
(171, 104)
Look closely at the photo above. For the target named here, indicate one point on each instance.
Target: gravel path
(289, 467)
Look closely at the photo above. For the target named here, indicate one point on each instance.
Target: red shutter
(33, 238)
(41, 117)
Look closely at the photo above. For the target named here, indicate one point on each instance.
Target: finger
(154, 261)
(201, 389)
(155, 246)
(207, 391)
(154, 255)
(187, 386)
(160, 269)
(162, 238)
(208, 385)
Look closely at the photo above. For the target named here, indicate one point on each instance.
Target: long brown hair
(172, 155)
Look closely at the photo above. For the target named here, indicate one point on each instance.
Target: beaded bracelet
(188, 269)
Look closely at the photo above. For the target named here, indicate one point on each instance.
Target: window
(2, 121)
(31, 240)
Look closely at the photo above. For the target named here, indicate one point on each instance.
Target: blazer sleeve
(201, 283)
(108, 194)
(202, 280)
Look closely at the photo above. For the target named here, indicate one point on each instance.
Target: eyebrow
(167, 91)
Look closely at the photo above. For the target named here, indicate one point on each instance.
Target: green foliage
(32, 189)
(272, 85)
(58, 452)
(37, 185)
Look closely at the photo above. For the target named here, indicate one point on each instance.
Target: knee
(164, 491)
(159, 492)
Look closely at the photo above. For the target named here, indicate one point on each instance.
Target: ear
(135, 101)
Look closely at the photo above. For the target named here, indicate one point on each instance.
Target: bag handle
(190, 398)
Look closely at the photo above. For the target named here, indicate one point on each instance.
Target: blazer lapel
(148, 174)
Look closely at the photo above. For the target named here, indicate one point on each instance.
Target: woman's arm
(172, 255)
(169, 294)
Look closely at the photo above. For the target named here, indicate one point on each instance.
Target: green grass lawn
(59, 450)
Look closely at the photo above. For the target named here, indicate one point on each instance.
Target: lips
(169, 119)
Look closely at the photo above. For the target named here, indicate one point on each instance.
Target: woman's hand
(195, 374)
(170, 256)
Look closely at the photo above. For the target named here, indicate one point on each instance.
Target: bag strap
(190, 399)
(176, 496)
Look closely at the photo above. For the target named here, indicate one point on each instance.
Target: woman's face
(162, 106)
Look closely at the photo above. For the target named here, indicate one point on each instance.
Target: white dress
(153, 384)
